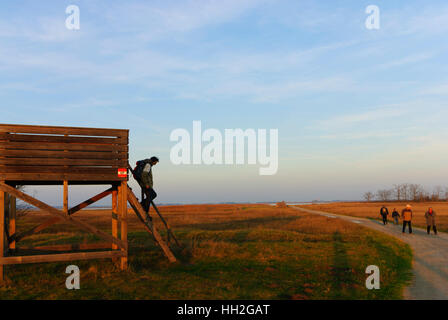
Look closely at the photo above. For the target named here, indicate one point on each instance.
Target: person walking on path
(430, 216)
(395, 216)
(406, 214)
(384, 212)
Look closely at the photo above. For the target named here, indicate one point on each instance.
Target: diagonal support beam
(36, 229)
(53, 221)
(43, 206)
(88, 202)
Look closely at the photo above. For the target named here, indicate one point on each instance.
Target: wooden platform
(48, 155)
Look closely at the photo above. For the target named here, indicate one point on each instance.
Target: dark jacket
(395, 214)
(430, 218)
(147, 176)
(384, 211)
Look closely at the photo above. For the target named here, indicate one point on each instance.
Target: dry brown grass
(183, 216)
(244, 251)
(372, 210)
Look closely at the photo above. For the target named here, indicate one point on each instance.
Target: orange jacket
(406, 214)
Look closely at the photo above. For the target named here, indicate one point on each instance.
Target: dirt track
(430, 265)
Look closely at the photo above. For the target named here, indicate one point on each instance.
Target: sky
(356, 109)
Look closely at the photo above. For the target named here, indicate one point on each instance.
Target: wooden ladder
(149, 226)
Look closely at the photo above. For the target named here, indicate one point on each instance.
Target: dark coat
(430, 218)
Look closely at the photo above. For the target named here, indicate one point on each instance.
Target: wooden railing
(45, 153)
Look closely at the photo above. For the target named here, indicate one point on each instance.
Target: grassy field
(372, 210)
(231, 252)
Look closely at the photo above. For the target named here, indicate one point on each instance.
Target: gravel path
(430, 265)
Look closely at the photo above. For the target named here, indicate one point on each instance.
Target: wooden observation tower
(47, 155)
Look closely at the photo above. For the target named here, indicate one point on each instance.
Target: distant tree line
(408, 192)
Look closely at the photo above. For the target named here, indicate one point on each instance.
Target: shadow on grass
(402, 264)
(343, 278)
(146, 253)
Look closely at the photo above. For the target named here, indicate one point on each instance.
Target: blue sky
(356, 109)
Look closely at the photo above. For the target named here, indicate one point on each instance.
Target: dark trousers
(150, 195)
(404, 226)
(428, 229)
(384, 219)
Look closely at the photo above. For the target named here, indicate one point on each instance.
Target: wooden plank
(63, 130)
(62, 257)
(133, 201)
(88, 202)
(12, 220)
(167, 226)
(69, 247)
(65, 196)
(114, 217)
(35, 229)
(63, 146)
(62, 139)
(58, 169)
(123, 212)
(63, 162)
(6, 223)
(62, 154)
(59, 182)
(2, 233)
(30, 177)
(43, 206)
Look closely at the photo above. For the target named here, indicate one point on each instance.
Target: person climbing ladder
(143, 175)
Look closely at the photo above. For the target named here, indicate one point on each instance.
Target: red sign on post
(122, 173)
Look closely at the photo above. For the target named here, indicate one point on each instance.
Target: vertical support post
(6, 221)
(66, 196)
(2, 232)
(12, 220)
(114, 217)
(123, 210)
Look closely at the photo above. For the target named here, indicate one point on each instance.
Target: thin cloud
(171, 18)
(441, 89)
(411, 59)
(367, 116)
(363, 135)
(275, 92)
